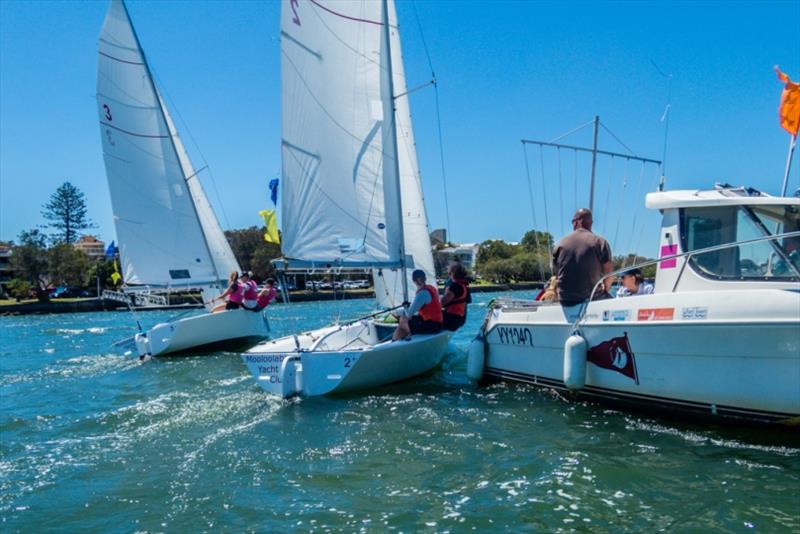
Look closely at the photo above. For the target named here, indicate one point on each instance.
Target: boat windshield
(772, 260)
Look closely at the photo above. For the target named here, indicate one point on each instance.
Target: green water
(93, 440)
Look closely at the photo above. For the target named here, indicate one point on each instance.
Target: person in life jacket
(424, 316)
(266, 295)
(456, 297)
(249, 290)
(234, 294)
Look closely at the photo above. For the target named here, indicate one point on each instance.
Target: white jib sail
(339, 203)
(388, 284)
(160, 230)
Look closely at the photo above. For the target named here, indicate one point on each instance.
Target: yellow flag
(115, 276)
(270, 221)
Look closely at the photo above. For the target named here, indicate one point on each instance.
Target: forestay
(167, 231)
(340, 204)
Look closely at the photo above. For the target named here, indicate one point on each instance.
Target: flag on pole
(789, 110)
(112, 250)
(615, 355)
(273, 191)
(115, 276)
(271, 222)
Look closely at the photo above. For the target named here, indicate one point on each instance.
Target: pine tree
(66, 213)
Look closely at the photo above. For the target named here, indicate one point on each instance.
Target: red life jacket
(250, 290)
(265, 298)
(236, 295)
(431, 311)
(458, 306)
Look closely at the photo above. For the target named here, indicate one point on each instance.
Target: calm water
(97, 441)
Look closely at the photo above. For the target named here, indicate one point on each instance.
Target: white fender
(475, 359)
(142, 344)
(288, 377)
(575, 361)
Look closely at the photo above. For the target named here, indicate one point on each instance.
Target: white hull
(232, 329)
(338, 359)
(698, 352)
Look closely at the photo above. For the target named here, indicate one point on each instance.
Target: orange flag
(789, 110)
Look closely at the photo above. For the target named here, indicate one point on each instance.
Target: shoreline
(182, 301)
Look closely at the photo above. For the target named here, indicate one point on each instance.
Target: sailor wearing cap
(424, 316)
(633, 284)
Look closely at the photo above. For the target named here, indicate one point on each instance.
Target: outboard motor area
(279, 374)
(575, 349)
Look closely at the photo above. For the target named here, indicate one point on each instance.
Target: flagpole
(792, 144)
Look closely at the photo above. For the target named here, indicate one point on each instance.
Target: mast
(396, 150)
(594, 161)
(172, 142)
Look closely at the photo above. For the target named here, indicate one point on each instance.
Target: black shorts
(420, 326)
(232, 305)
(453, 322)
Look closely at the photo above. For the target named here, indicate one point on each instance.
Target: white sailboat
(168, 234)
(720, 336)
(352, 196)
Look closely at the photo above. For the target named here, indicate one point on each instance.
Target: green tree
(261, 261)
(29, 261)
(66, 213)
(536, 241)
(495, 249)
(499, 270)
(20, 289)
(103, 270)
(252, 252)
(67, 265)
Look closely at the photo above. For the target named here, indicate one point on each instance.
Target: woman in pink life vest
(266, 295)
(249, 290)
(234, 294)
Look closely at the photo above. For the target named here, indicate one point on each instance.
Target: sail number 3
(108, 112)
(296, 17)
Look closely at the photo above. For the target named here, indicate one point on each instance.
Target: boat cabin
(735, 223)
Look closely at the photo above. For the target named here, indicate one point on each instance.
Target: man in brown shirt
(580, 260)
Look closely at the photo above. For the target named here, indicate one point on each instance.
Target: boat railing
(688, 255)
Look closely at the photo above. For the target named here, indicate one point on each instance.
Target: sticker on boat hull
(615, 354)
(694, 312)
(616, 315)
(655, 314)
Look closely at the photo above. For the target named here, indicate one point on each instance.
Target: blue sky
(506, 71)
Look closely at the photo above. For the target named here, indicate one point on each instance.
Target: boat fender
(575, 361)
(142, 344)
(475, 359)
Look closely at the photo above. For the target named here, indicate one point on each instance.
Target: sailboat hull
(688, 354)
(341, 359)
(232, 329)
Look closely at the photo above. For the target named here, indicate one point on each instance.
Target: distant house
(93, 247)
(6, 272)
(466, 253)
(438, 237)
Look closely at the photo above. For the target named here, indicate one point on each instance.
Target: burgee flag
(270, 221)
(273, 191)
(615, 355)
(789, 110)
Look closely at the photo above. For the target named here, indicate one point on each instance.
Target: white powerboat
(352, 197)
(169, 237)
(720, 336)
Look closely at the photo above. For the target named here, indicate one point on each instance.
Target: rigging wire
(544, 197)
(656, 181)
(618, 139)
(608, 192)
(560, 193)
(636, 212)
(575, 183)
(533, 208)
(438, 117)
(621, 206)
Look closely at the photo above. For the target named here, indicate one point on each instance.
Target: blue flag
(273, 191)
(112, 250)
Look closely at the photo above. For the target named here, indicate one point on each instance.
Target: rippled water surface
(94, 440)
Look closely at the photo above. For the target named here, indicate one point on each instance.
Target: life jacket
(237, 294)
(250, 290)
(265, 298)
(431, 311)
(458, 306)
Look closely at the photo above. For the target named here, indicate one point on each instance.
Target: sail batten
(167, 231)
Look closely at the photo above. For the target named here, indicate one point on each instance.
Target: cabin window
(763, 260)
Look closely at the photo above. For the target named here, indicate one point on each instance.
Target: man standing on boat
(424, 316)
(580, 260)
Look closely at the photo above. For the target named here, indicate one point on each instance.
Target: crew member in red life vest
(266, 295)
(456, 297)
(424, 316)
(234, 294)
(249, 290)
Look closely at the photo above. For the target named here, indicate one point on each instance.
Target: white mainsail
(167, 231)
(339, 200)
